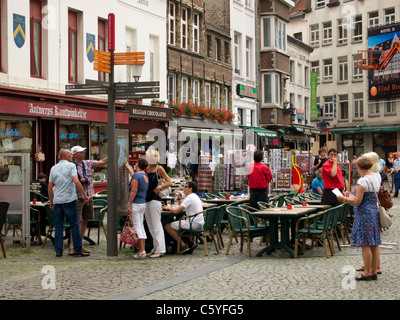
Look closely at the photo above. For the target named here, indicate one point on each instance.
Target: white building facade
(244, 78)
(350, 119)
(46, 45)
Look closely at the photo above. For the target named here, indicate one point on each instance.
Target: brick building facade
(198, 53)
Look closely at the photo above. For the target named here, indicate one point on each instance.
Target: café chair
(51, 220)
(35, 224)
(3, 216)
(220, 224)
(38, 196)
(222, 195)
(291, 200)
(264, 205)
(256, 222)
(343, 224)
(102, 192)
(97, 221)
(333, 225)
(210, 219)
(239, 225)
(314, 227)
(209, 196)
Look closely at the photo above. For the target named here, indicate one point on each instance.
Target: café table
(100, 196)
(285, 216)
(220, 202)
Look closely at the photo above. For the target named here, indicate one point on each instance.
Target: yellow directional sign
(102, 61)
(129, 58)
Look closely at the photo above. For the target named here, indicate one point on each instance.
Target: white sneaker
(139, 255)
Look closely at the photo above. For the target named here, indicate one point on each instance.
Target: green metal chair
(222, 195)
(51, 221)
(97, 222)
(219, 225)
(102, 192)
(332, 228)
(210, 218)
(35, 224)
(314, 227)
(239, 225)
(209, 196)
(264, 205)
(343, 225)
(256, 222)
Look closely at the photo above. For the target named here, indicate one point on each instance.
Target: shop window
(385, 142)
(72, 134)
(139, 142)
(15, 137)
(353, 144)
(99, 149)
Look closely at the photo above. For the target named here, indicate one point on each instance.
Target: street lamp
(136, 70)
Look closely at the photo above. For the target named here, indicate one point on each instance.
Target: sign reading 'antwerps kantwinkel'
(39, 109)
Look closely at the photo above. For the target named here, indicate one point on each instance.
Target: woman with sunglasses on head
(366, 231)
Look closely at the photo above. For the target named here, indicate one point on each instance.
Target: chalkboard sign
(346, 167)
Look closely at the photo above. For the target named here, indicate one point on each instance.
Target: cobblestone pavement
(198, 277)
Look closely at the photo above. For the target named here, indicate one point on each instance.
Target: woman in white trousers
(153, 203)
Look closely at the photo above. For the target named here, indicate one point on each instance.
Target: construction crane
(376, 58)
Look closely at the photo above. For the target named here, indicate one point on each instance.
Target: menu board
(283, 179)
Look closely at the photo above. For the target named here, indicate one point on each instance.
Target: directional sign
(129, 58)
(137, 96)
(83, 92)
(137, 89)
(137, 84)
(81, 86)
(97, 83)
(102, 61)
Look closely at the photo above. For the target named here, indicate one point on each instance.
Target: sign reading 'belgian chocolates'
(149, 112)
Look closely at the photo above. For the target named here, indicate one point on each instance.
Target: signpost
(104, 62)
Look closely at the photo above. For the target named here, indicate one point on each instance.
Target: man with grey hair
(63, 201)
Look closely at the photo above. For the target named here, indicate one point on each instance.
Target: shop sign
(149, 112)
(48, 110)
(246, 91)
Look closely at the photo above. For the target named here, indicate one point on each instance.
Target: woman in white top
(366, 231)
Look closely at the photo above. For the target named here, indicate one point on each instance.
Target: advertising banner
(385, 83)
(313, 93)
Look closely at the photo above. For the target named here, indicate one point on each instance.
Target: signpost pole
(112, 241)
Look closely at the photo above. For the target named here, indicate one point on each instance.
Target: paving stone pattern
(198, 277)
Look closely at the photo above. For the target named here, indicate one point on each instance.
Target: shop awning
(204, 133)
(371, 128)
(262, 132)
(307, 129)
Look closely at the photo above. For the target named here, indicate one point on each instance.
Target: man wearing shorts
(192, 205)
(85, 175)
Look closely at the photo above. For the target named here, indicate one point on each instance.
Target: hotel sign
(246, 91)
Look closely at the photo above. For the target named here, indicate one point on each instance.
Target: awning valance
(262, 132)
(371, 128)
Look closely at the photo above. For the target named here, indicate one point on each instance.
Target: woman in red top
(259, 178)
(333, 178)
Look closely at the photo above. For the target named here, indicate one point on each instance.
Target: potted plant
(155, 103)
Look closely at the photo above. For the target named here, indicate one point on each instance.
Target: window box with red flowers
(191, 110)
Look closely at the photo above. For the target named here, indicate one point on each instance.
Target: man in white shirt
(191, 205)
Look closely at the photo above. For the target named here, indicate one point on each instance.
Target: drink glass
(289, 206)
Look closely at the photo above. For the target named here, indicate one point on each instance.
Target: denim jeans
(69, 210)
